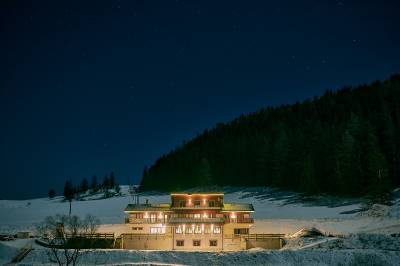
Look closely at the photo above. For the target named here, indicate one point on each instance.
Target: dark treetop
(89, 87)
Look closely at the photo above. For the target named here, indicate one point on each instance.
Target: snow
(251, 257)
(361, 237)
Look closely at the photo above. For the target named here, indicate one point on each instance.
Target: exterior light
(146, 215)
(204, 201)
(233, 215)
(160, 216)
(205, 215)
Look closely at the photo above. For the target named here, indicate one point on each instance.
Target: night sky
(92, 87)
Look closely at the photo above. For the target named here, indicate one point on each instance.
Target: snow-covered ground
(275, 212)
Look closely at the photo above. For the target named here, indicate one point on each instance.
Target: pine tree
(117, 188)
(204, 173)
(84, 185)
(106, 182)
(69, 193)
(94, 185)
(112, 180)
(52, 193)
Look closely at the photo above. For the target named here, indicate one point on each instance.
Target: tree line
(72, 191)
(345, 142)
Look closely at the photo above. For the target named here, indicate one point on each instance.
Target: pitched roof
(238, 207)
(147, 207)
(201, 193)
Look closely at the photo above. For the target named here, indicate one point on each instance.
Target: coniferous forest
(345, 142)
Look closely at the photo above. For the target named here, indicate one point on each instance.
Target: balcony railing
(193, 207)
(240, 220)
(146, 220)
(196, 220)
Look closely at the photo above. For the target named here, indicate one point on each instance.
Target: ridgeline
(345, 142)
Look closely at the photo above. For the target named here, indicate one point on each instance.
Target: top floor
(191, 208)
(197, 201)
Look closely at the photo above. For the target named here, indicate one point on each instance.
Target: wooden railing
(239, 220)
(145, 236)
(263, 236)
(97, 235)
(146, 220)
(195, 220)
(254, 236)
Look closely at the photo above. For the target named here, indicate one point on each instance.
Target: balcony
(240, 220)
(196, 220)
(146, 220)
(193, 207)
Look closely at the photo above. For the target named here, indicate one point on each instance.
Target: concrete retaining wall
(267, 243)
(146, 242)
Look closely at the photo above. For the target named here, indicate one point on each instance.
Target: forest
(345, 142)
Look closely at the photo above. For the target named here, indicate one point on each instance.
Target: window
(178, 229)
(157, 230)
(197, 203)
(217, 230)
(137, 215)
(197, 229)
(180, 243)
(197, 215)
(241, 231)
(196, 243)
(137, 228)
(211, 203)
(153, 217)
(182, 203)
(189, 230)
(207, 229)
(213, 243)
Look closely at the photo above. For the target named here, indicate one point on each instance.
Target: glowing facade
(198, 221)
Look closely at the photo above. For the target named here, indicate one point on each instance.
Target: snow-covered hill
(370, 231)
(275, 212)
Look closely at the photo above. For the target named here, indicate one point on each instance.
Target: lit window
(217, 230)
(157, 230)
(197, 229)
(207, 230)
(178, 230)
(197, 215)
(213, 243)
(196, 243)
(180, 243)
(241, 231)
(189, 230)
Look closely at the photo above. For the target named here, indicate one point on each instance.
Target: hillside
(355, 234)
(343, 143)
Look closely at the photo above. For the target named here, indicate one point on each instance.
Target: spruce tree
(112, 180)
(94, 185)
(52, 193)
(84, 185)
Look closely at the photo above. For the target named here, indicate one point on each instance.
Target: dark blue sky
(89, 87)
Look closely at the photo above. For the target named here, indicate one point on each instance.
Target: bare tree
(59, 230)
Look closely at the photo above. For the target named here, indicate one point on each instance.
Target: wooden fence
(97, 236)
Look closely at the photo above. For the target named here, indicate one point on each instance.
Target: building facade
(198, 221)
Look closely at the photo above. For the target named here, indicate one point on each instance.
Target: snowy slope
(273, 213)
